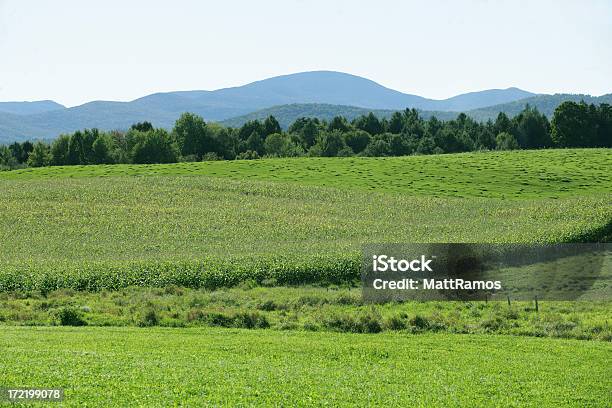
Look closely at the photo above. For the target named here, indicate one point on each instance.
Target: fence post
(536, 303)
(508, 300)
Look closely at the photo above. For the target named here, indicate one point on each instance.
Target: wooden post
(508, 300)
(536, 303)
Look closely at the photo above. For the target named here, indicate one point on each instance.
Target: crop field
(164, 367)
(291, 221)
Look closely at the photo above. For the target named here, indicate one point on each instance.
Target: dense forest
(404, 133)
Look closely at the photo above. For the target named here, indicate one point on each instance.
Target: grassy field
(209, 250)
(164, 367)
(290, 221)
(512, 174)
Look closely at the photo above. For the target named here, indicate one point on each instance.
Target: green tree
(227, 143)
(378, 147)
(89, 137)
(17, 152)
(532, 129)
(59, 150)
(255, 143)
(192, 135)
(506, 141)
(249, 127)
(502, 124)
(572, 125)
(310, 132)
(155, 146)
(40, 155)
(426, 146)
(604, 126)
(7, 160)
(339, 123)
(26, 148)
(76, 153)
(142, 126)
(357, 140)
(370, 124)
(281, 145)
(102, 149)
(271, 126)
(330, 143)
(396, 123)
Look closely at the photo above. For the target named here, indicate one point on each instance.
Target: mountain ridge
(313, 87)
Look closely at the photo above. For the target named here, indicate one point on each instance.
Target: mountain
(27, 108)
(334, 88)
(45, 119)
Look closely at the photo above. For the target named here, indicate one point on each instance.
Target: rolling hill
(545, 104)
(287, 114)
(319, 87)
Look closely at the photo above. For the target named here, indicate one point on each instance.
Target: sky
(77, 51)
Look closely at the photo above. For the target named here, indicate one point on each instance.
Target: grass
(302, 308)
(198, 225)
(164, 367)
(514, 174)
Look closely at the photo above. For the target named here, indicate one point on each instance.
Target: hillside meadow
(292, 221)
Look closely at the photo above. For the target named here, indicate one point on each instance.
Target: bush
(244, 320)
(419, 322)
(267, 306)
(248, 155)
(505, 141)
(68, 316)
(397, 322)
(211, 156)
(149, 319)
(252, 320)
(365, 323)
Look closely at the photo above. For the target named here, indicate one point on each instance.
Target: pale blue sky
(77, 51)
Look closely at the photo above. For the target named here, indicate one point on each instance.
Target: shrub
(267, 306)
(211, 156)
(365, 323)
(248, 155)
(396, 322)
(69, 316)
(419, 322)
(149, 319)
(252, 320)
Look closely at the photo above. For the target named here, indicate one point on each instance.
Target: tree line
(404, 133)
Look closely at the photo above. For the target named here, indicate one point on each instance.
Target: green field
(291, 221)
(251, 268)
(511, 174)
(195, 367)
